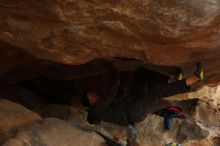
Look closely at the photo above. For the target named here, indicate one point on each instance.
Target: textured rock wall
(11, 57)
(56, 125)
(36, 34)
(74, 32)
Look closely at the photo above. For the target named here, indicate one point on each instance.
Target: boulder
(14, 116)
(54, 132)
(208, 113)
(74, 115)
(199, 129)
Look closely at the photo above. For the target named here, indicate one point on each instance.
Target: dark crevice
(56, 83)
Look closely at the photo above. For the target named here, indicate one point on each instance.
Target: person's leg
(143, 80)
(169, 89)
(145, 75)
(182, 86)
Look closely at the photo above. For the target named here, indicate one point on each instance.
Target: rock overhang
(165, 33)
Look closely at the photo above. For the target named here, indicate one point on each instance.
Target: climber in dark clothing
(129, 109)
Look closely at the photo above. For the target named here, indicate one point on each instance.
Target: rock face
(11, 56)
(54, 132)
(20, 126)
(192, 131)
(208, 114)
(57, 39)
(74, 32)
(14, 116)
(57, 126)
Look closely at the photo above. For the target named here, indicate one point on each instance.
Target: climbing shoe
(179, 75)
(199, 72)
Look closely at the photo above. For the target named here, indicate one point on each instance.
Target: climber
(124, 109)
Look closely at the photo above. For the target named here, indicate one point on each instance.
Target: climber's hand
(131, 142)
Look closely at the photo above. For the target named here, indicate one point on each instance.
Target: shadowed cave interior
(67, 90)
(57, 87)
